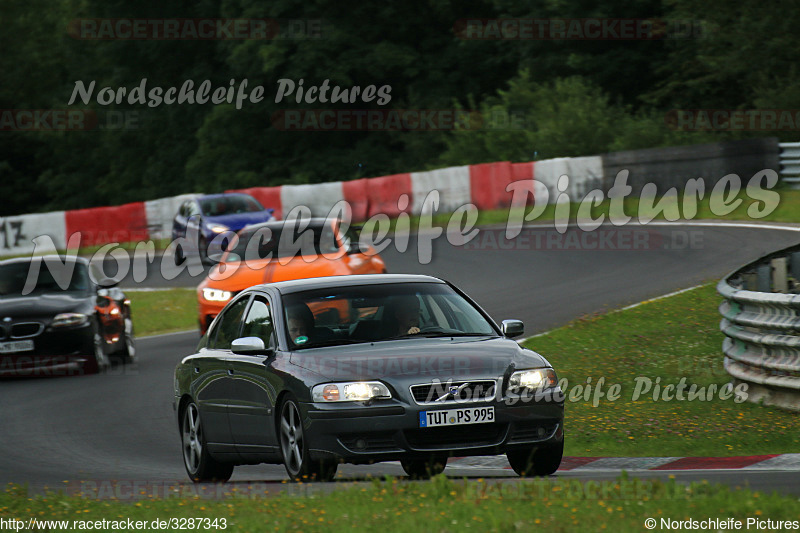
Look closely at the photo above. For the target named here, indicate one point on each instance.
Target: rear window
(284, 241)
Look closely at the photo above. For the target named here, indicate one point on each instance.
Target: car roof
(48, 257)
(221, 195)
(298, 285)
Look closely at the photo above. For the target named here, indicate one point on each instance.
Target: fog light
(361, 444)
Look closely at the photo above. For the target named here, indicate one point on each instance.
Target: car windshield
(373, 313)
(65, 279)
(283, 241)
(216, 206)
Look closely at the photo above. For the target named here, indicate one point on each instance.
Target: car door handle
(230, 372)
(197, 370)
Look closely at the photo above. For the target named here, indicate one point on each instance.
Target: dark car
(55, 319)
(359, 369)
(212, 215)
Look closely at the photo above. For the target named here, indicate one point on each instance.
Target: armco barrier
(790, 163)
(761, 323)
(269, 197)
(103, 225)
(17, 232)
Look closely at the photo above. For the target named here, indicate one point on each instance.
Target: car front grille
(370, 442)
(24, 330)
(531, 431)
(449, 437)
(444, 392)
(3, 333)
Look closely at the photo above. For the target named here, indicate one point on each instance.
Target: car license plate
(456, 417)
(16, 346)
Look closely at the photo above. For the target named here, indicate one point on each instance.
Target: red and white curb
(788, 461)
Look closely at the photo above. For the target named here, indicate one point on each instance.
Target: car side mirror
(250, 346)
(513, 328)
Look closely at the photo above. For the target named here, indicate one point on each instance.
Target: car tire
(99, 361)
(294, 447)
(202, 250)
(542, 461)
(200, 466)
(179, 256)
(127, 352)
(424, 468)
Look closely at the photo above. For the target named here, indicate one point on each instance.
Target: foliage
(575, 97)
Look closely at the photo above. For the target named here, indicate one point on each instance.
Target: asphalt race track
(120, 426)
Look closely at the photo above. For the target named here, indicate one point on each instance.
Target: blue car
(212, 215)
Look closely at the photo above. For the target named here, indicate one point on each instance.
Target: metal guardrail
(761, 323)
(790, 163)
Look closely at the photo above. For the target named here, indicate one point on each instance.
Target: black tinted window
(70, 278)
(285, 241)
(229, 205)
(259, 321)
(227, 329)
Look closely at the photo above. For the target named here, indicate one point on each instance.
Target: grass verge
(166, 311)
(440, 505)
(659, 342)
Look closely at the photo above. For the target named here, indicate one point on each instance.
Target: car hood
(37, 305)
(419, 360)
(239, 220)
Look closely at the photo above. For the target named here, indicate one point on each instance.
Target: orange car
(279, 251)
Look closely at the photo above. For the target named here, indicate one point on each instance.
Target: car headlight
(218, 228)
(539, 378)
(350, 392)
(69, 319)
(216, 295)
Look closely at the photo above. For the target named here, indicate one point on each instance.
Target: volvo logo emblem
(452, 392)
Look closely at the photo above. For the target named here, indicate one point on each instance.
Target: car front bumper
(391, 430)
(55, 353)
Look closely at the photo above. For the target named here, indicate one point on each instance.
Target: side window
(259, 322)
(227, 329)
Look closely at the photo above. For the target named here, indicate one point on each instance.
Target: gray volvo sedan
(360, 369)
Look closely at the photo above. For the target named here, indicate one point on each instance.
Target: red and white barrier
(161, 212)
(102, 225)
(319, 197)
(485, 185)
(383, 195)
(452, 183)
(17, 232)
(585, 174)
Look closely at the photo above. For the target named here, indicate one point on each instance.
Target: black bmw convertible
(359, 369)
